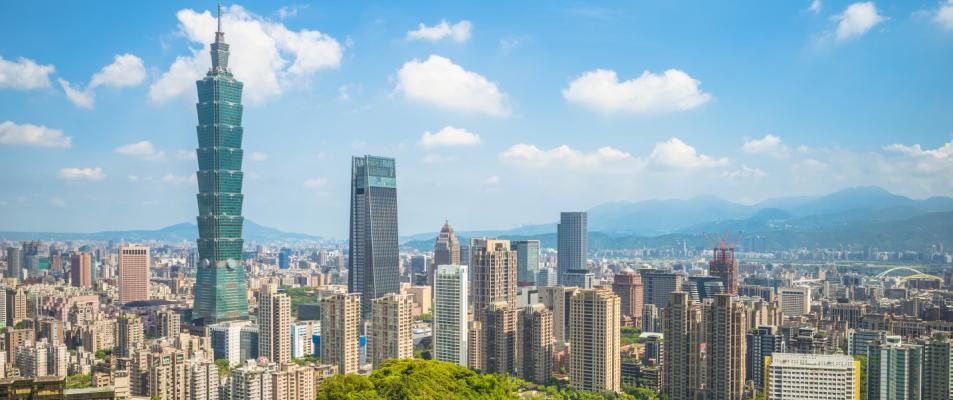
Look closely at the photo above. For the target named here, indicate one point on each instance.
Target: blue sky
(499, 114)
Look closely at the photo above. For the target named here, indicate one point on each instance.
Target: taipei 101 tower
(220, 277)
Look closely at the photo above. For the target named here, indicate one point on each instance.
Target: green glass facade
(220, 277)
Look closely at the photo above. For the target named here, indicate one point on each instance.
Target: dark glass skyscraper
(572, 246)
(373, 261)
(220, 278)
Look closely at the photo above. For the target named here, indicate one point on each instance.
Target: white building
(226, 341)
(450, 314)
(812, 376)
(795, 302)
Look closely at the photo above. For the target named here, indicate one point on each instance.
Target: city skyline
(763, 118)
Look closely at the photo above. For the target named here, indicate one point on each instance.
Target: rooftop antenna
(219, 16)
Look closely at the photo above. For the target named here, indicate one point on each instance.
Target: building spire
(219, 35)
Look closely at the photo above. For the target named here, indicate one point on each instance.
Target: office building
(81, 269)
(761, 343)
(725, 324)
(658, 286)
(450, 328)
(628, 286)
(724, 266)
(595, 362)
(274, 326)
(340, 335)
(220, 276)
(572, 243)
(546, 277)
(535, 342)
(795, 302)
(373, 262)
(937, 362)
(14, 263)
(859, 339)
(792, 376)
(446, 250)
(302, 338)
(701, 288)
(134, 262)
(391, 328)
(894, 370)
(527, 261)
(226, 341)
(682, 371)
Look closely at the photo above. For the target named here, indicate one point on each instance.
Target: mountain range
(251, 231)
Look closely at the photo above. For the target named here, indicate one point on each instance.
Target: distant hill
(251, 231)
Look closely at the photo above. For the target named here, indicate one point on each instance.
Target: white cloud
(24, 74)
(174, 179)
(602, 91)
(857, 19)
(345, 92)
(815, 6)
(433, 158)
(288, 12)
(142, 149)
(944, 15)
(491, 180)
(265, 55)
(923, 160)
(674, 153)
(562, 156)
(769, 145)
(449, 136)
(458, 32)
(82, 98)
(745, 172)
(258, 156)
(126, 70)
(57, 202)
(316, 183)
(186, 155)
(32, 135)
(82, 174)
(440, 82)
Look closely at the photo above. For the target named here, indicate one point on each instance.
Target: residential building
(658, 286)
(274, 326)
(628, 286)
(81, 269)
(340, 323)
(761, 343)
(595, 323)
(391, 335)
(937, 362)
(450, 328)
(792, 376)
(725, 324)
(795, 301)
(894, 370)
(535, 342)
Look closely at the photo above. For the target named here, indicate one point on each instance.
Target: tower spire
(219, 17)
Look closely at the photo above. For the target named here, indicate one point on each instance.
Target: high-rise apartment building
(937, 363)
(168, 324)
(498, 339)
(274, 326)
(167, 372)
(391, 334)
(293, 382)
(595, 323)
(340, 324)
(725, 324)
(37, 359)
(894, 370)
(250, 382)
(628, 286)
(858, 340)
(130, 335)
(658, 286)
(373, 262)
(794, 376)
(795, 301)
(203, 379)
(493, 264)
(446, 250)
(535, 342)
(761, 343)
(451, 308)
(724, 266)
(220, 275)
(81, 269)
(527, 261)
(16, 305)
(558, 299)
(134, 262)
(682, 366)
(572, 245)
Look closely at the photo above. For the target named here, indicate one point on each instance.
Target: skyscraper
(134, 276)
(14, 263)
(937, 360)
(628, 286)
(894, 370)
(494, 299)
(340, 321)
(724, 266)
(220, 276)
(274, 326)
(390, 330)
(373, 269)
(81, 267)
(681, 363)
(658, 286)
(450, 326)
(594, 360)
(527, 260)
(725, 324)
(762, 343)
(535, 342)
(446, 250)
(573, 244)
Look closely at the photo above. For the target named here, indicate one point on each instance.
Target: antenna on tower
(219, 16)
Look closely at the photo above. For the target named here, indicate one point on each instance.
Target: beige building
(535, 343)
(274, 326)
(168, 324)
(340, 323)
(422, 297)
(812, 376)
(293, 382)
(167, 373)
(682, 367)
(795, 302)
(594, 323)
(557, 299)
(134, 276)
(474, 341)
(498, 347)
(391, 333)
(726, 324)
(129, 334)
(494, 299)
(628, 286)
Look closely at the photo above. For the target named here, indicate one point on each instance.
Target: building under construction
(724, 266)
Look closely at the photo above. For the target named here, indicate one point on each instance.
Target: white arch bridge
(917, 274)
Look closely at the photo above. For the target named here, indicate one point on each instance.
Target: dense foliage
(78, 381)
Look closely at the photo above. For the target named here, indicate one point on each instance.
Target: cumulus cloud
(449, 136)
(258, 156)
(770, 145)
(126, 70)
(32, 135)
(436, 159)
(676, 154)
(142, 149)
(82, 98)
(923, 160)
(815, 6)
(562, 156)
(82, 174)
(440, 82)
(24, 74)
(857, 19)
(458, 32)
(601, 90)
(944, 15)
(316, 183)
(745, 172)
(267, 56)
